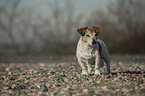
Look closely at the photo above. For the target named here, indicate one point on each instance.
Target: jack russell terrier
(91, 50)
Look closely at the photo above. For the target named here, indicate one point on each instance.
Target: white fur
(88, 55)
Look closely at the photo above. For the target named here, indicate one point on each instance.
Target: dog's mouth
(93, 42)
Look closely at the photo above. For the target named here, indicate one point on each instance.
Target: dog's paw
(89, 70)
(109, 72)
(84, 73)
(97, 72)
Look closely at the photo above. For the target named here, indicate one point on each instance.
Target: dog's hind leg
(107, 60)
(108, 67)
(101, 63)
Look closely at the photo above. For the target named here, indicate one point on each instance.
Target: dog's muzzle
(93, 42)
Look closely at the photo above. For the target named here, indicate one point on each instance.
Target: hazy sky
(84, 7)
(81, 6)
(41, 7)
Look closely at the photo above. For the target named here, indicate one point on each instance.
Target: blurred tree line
(123, 26)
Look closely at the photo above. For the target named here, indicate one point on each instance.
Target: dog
(91, 50)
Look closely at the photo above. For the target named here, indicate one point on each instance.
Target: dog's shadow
(127, 72)
(123, 73)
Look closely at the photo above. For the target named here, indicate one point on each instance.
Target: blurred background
(49, 27)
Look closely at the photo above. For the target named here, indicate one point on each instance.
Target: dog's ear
(97, 29)
(82, 31)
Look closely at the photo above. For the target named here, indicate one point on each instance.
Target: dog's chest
(89, 57)
(86, 52)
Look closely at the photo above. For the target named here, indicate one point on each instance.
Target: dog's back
(104, 51)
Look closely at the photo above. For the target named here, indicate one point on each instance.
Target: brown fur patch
(82, 31)
(89, 32)
(97, 29)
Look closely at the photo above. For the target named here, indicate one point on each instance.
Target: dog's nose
(93, 42)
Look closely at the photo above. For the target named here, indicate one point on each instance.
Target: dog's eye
(88, 35)
(96, 34)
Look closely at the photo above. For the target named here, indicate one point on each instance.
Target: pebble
(105, 88)
(13, 86)
(124, 90)
(98, 81)
(44, 87)
(96, 91)
(5, 88)
(85, 91)
(26, 81)
(7, 69)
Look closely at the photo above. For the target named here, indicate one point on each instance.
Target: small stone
(7, 69)
(40, 93)
(31, 94)
(10, 91)
(45, 88)
(35, 71)
(41, 65)
(96, 91)
(38, 86)
(105, 88)
(79, 94)
(13, 86)
(10, 73)
(85, 91)
(52, 72)
(52, 94)
(117, 90)
(98, 81)
(5, 88)
(136, 87)
(124, 90)
(26, 81)
(63, 93)
(13, 77)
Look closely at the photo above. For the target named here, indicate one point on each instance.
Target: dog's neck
(86, 46)
(87, 50)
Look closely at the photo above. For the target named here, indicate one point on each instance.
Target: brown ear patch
(82, 31)
(97, 29)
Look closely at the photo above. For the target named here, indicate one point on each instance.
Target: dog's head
(90, 35)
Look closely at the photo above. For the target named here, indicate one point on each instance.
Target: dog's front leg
(89, 67)
(81, 62)
(97, 70)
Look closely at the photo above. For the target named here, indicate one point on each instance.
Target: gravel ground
(62, 77)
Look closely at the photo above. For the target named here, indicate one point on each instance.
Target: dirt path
(62, 77)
